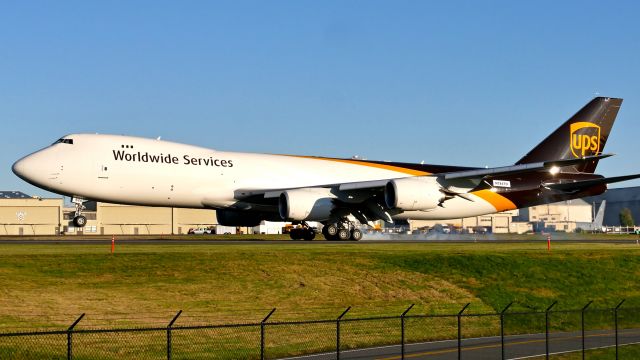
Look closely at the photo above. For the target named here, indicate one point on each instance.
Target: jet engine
(244, 218)
(312, 204)
(414, 193)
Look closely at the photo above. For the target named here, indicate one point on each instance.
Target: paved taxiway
(516, 347)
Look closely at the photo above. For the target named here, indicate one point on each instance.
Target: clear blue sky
(467, 83)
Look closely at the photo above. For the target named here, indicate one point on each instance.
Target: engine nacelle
(244, 218)
(414, 193)
(313, 204)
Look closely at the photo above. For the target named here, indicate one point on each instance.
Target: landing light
(554, 170)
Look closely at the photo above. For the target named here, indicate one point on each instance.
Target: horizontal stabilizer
(585, 184)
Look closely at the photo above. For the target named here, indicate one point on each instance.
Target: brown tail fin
(584, 134)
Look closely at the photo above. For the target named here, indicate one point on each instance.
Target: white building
(560, 216)
(499, 223)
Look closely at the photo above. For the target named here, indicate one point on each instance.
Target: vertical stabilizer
(584, 134)
(597, 222)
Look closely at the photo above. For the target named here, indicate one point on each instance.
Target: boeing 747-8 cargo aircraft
(247, 188)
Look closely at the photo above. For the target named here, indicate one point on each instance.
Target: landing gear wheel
(325, 232)
(344, 234)
(309, 234)
(331, 230)
(80, 221)
(295, 234)
(356, 234)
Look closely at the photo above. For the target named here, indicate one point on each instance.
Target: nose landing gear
(79, 220)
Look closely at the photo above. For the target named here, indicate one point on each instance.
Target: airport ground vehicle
(201, 231)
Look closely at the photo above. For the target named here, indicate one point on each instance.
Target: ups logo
(585, 139)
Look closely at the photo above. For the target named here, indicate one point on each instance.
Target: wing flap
(363, 185)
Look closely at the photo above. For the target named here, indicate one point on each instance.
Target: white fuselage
(140, 171)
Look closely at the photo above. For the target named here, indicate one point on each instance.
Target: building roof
(620, 194)
(13, 195)
(616, 200)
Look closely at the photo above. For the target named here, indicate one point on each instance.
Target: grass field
(48, 286)
(45, 286)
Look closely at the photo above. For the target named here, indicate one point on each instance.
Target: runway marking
(398, 345)
(468, 348)
(479, 347)
(570, 351)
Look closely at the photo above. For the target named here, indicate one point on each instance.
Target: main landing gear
(79, 220)
(342, 230)
(303, 233)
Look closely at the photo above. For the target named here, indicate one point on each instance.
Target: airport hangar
(21, 214)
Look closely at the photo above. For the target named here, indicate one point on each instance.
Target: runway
(161, 241)
(248, 240)
(516, 347)
(130, 240)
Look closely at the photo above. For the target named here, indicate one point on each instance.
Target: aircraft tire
(294, 234)
(344, 234)
(309, 234)
(331, 230)
(356, 235)
(80, 221)
(326, 235)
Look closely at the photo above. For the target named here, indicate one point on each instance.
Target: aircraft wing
(445, 179)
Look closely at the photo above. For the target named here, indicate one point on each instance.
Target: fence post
(262, 325)
(615, 320)
(69, 338)
(402, 331)
(502, 328)
(582, 324)
(460, 330)
(546, 329)
(169, 334)
(338, 332)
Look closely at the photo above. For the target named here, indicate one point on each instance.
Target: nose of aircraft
(42, 169)
(35, 168)
(24, 168)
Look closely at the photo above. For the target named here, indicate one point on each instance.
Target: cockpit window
(64, 141)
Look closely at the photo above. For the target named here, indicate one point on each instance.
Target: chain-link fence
(577, 333)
